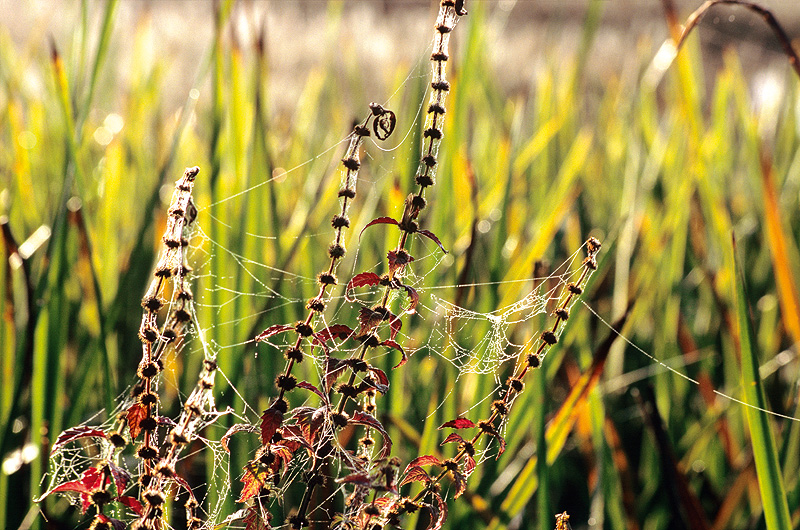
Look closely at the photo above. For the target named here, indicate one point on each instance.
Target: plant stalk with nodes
(463, 463)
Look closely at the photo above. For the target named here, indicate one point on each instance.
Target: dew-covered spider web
(250, 284)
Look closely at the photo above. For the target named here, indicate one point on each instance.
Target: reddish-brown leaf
(233, 430)
(116, 524)
(273, 330)
(413, 296)
(394, 326)
(362, 418)
(378, 221)
(502, 442)
(255, 521)
(333, 369)
(438, 512)
(270, 421)
(91, 480)
(253, 480)
(396, 346)
(131, 503)
(453, 437)
(361, 479)
(415, 474)
(136, 413)
(459, 423)
(283, 454)
(121, 477)
(460, 482)
(425, 460)
(430, 235)
(380, 375)
(398, 260)
(337, 331)
(75, 433)
(308, 386)
(369, 319)
(310, 421)
(469, 465)
(360, 280)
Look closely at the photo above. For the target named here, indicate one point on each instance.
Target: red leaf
(233, 430)
(502, 442)
(414, 297)
(136, 413)
(338, 331)
(310, 420)
(453, 437)
(379, 220)
(396, 346)
(273, 330)
(131, 503)
(362, 418)
(459, 423)
(76, 433)
(270, 421)
(283, 455)
(116, 524)
(362, 479)
(360, 280)
(398, 260)
(426, 460)
(469, 465)
(394, 326)
(253, 481)
(308, 386)
(438, 513)
(461, 483)
(380, 375)
(333, 369)
(255, 521)
(91, 480)
(369, 318)
(432, 237)
(121, 477)
(415, 474)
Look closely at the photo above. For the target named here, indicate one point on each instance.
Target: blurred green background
(564, 121)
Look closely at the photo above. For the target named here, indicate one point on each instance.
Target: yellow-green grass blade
(770, 479)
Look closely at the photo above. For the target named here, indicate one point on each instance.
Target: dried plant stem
(142, 415)
(501, 407)
(766, 14)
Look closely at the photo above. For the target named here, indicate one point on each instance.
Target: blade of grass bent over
(770, 480)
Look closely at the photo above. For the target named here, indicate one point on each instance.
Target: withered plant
(369, 481)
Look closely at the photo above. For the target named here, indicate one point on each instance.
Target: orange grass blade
(567, 414)
(779, 246)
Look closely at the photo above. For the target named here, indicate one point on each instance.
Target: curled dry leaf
(379, 221)
(76, 433)
(362, 418)
(273, 330)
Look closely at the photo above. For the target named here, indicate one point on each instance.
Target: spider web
(471, 341)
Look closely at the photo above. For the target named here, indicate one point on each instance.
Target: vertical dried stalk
(142, 415)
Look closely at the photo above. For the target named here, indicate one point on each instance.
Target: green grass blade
(770, 480)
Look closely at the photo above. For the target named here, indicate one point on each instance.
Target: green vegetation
(662, 167)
